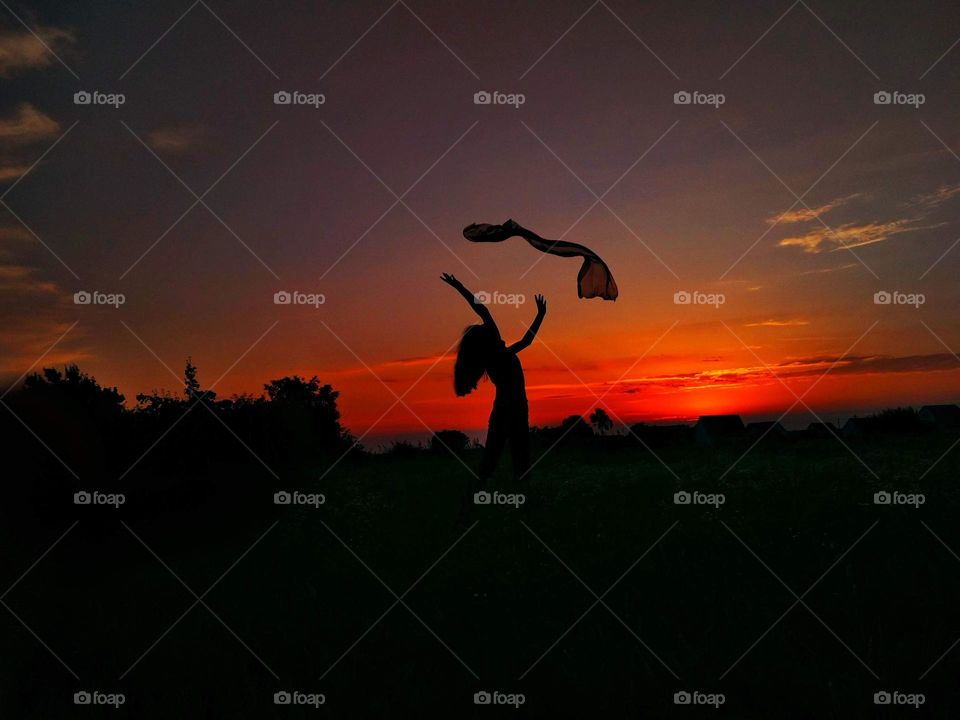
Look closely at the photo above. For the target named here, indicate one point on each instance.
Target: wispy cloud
(23, 51)
(822, 237)
(805, 214)
(939, 196)
(851, 235)
(19, 130)
(174, 139)
(27, 125)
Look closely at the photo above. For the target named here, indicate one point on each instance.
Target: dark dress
(509, 419)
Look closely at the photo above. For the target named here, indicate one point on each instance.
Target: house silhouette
(712, 430)
(769, 430)
(941, 417)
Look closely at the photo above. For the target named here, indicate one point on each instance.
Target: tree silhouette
(601, 421)
(191, 384)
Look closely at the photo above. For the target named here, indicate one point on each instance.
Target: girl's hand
(451, 280)
(541, 304)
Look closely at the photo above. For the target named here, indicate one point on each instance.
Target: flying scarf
(594, 278)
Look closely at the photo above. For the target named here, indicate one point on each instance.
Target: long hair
(473, 355)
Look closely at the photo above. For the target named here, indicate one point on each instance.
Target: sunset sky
(797, 200)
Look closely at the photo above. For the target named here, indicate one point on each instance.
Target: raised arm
(531, 333)
(478, 307)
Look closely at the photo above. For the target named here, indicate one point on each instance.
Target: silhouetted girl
(483, 352)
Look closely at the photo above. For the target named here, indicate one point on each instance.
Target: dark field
(599, 597)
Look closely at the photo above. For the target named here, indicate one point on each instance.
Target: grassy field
(599, 597)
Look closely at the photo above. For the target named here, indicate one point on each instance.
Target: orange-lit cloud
(21, 51)
(805, 214)
(850, 235)
(938, 197)
(174, 139)
(27, 125)
(856, 234)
